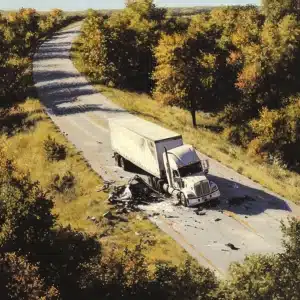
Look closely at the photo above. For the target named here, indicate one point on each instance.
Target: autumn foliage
(20, 33)
(239, 62)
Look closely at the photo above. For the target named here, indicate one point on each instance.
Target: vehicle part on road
(175, 168)
(123, 163)
(200, 213)
(231, 246)
(137, 191)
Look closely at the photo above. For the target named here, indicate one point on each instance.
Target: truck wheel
(183, 199)
(160, 184)
(156, 184)
(117, 159)
(123, 163)
(150, 181)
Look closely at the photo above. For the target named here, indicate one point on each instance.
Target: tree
(191, 67)
(276, 9)
(20, 280)
(26, 220)
(268, 276)
(119, 51)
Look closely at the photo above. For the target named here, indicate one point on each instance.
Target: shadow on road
(62, 90)
(245, 200)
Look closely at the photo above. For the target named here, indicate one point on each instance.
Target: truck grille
(202, 188)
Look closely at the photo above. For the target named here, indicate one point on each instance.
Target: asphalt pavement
(245, 221)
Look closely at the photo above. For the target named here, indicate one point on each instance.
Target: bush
(239, 135)
(278, 133)
(20, 279)
(25, 212)
(275, 276)
(65, 183)
(129, 277)
(54, 150)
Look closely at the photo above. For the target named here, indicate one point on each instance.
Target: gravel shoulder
(248, 216)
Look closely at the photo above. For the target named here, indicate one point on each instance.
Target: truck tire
(123, 163)
(117, 159)
(160, 184)
(183, 199)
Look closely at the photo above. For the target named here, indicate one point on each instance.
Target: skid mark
(242, 222)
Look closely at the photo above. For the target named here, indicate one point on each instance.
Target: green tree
(268, 276)
(191, 67)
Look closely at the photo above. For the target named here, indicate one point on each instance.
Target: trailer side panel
(135, 148)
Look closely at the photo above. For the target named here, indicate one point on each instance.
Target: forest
(239, 63)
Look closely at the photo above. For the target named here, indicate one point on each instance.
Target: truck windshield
(190, 169)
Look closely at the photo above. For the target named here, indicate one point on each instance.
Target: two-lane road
(252, 224)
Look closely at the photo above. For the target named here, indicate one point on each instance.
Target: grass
(205, 138)
(24, 144)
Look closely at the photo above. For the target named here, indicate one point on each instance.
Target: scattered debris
(217, 219)
(231, 246)
(201, 213)
(171, 217)
(107, 215)
(225, 250)
(106, 186)
(233, 185)
(137, 191)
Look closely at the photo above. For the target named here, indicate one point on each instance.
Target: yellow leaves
(234, 57)
(208, 61)
(266, 124)
(248, 77)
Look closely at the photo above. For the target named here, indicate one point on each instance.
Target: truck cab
(187, 174)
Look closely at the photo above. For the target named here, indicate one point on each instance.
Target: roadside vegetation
(227, 79)
(48, 248)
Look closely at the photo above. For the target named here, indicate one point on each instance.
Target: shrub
(20, 279)
(54, 150)
(239, 135)
(268, 276)
(63, 183)
(25, 211)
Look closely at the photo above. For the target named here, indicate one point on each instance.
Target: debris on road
(135, 192)
(106, 186)
(201, 213)
(217, 219)
(231, 246)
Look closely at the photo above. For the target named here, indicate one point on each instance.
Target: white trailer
(171, 166)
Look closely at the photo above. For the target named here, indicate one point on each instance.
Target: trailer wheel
(183, 199)
(123, 163)
(160, 184)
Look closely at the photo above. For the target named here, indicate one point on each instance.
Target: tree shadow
(138, 113)
(18, 122)
(244, 200)
(213, 128)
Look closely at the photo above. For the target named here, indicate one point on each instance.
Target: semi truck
(170, 165)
